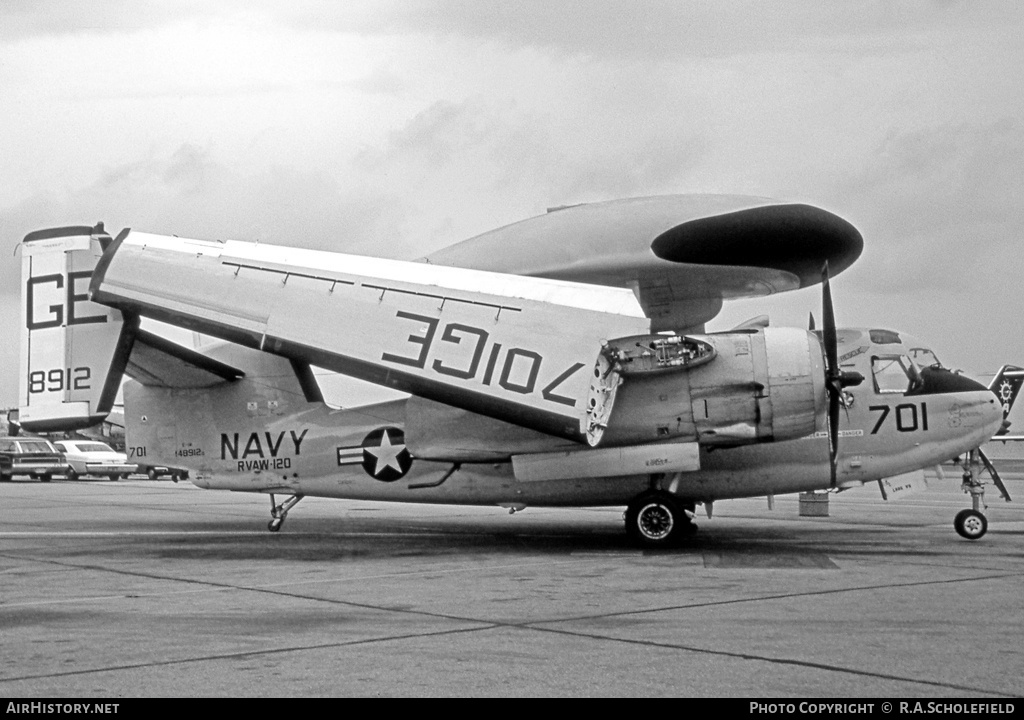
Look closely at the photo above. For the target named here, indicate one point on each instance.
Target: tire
(657, 520)
(6, 477)
(44, 478)
(114, 477)
(970, 524)
(72, 474)
(151, 474)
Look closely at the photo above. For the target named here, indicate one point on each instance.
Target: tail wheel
(970, 524)
(657, 519)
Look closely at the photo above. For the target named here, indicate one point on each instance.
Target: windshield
(924, 357)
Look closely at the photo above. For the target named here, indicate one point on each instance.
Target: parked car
(89, 457)
(29, 456)
(156, 471)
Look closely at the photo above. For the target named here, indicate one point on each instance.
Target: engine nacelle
(732, 388)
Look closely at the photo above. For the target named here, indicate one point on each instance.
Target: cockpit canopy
(896, 358)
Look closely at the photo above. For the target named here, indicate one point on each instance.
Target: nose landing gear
(971, 523)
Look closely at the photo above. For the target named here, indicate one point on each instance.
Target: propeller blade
(833, 434)
(832, 373)
(996, 480)
(828, 319)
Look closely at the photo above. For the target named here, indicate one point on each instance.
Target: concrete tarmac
(152, 589)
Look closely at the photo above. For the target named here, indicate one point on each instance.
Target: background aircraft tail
(1006, 385)
(73, 351)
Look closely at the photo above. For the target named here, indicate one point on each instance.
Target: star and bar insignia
(382, 454)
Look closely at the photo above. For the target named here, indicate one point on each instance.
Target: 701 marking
(908, 419)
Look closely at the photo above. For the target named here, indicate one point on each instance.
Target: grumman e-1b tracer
(559, 361)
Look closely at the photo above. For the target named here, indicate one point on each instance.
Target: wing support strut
(451, 471)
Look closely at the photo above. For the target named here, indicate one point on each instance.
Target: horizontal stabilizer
(158, 362)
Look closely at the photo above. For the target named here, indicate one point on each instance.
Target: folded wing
(518, 349)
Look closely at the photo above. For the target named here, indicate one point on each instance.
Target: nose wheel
(971, 523)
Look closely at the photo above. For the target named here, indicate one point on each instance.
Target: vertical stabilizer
(73, 351)
(1006, 385)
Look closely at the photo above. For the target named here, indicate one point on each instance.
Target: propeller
(835, 378)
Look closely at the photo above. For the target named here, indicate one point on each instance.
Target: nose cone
(973, 399)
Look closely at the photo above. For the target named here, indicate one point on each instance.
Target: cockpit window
(894, 374)
(923, 357)
(884, 337)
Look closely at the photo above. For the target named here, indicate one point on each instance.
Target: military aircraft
(559, 361)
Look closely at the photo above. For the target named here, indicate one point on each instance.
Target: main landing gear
(971, 523)
(658, 519)
(280, 512)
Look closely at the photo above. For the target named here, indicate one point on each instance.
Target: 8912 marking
(60, 379)
(908, 419)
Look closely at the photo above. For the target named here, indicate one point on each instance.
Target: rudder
(1006, 385)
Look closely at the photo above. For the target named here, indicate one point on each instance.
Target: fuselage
(259, 435)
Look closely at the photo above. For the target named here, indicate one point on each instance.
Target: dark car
(158, 471)
(29, 457)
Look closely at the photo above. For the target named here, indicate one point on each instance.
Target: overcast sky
(398, 128)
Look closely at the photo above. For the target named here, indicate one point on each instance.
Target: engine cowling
(731, 388)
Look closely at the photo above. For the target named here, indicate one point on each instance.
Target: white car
(88, 457)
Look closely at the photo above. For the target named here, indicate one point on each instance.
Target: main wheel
(657, 519)
(151, 473)
(6, 477)
(72, 475)
(970, 524)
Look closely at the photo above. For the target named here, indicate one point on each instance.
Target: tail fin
(73, 351)
(1006, 384)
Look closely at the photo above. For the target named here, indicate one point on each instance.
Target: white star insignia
(386, 454)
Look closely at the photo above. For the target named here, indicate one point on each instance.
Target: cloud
(665, 29)
(941, 201)
(21, 19)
